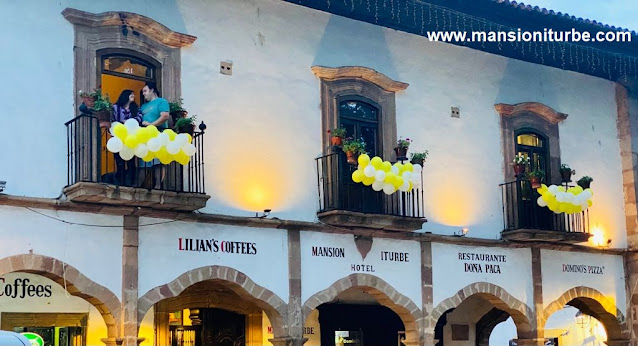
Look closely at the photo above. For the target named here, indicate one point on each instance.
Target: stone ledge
(345, 218)
(534, 235)
(134, 197)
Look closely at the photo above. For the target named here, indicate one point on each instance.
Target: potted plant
(520, 164)
(176, 110)
(418, 157)
(535, 177)
(353, 148)
(585, 181)
(566, 173)
(186, 125)
(401, 150)
(102, 108)
(337, 136)
(89, 98)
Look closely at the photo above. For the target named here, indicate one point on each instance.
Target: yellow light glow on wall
(454, 200)
(598, 237)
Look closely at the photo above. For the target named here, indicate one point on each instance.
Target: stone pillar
(427, 327)
(112, 341)
(288, 341)
(130, 280)
(538, 326)
(617, 342)
(294, 321)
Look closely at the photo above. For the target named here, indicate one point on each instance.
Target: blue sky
(623, 13)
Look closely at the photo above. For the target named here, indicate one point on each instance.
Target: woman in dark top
(123, 109)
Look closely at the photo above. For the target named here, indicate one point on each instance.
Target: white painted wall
(556, 281)
(96, 251)
(268, 112)
(449, 273)
(318, 273)
(161, 261)
(60, 301)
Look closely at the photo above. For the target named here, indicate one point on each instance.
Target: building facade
(263, 237)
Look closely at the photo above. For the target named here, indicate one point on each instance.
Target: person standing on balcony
(154, 112)
(125, 108)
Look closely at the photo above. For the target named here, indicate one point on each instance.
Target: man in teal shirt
(154, 112)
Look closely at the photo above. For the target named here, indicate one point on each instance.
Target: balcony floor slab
(538, 235)
(345, 218)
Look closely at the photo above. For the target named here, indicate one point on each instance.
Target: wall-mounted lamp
(582, 320)
(462, 233)
(3, 184)
(265, 214)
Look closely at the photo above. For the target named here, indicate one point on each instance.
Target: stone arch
(238, 282)
(77, 284)
(522, 314)
(593, 303)
(385, 294)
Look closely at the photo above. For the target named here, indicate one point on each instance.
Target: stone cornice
(139, 23)
(540, 109)
(57, 204)
(360, 72)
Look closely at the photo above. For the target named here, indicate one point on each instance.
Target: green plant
(536, 173)
(404, 143)
(102, 103)
(354, 145)
(186, 121)
(585, 179)
(565, 168)
(520, 159)
(176, 106)
(338, 132)
(419, 156)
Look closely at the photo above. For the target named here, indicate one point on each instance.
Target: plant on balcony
(585, 181)
(353, 148)
(337, 136)
(566, 173)
(520, 163)
(401, 149)
(418, 157)
(176, 110)
(102, 108)
(535, 177)
(89, 98)
(186, 125)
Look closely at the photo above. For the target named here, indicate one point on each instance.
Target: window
(533, 146)
(361, 120)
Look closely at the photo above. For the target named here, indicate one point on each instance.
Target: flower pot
(352, 157)
(177, 115)
(566, 176)
(584, 184)
(401, 152)
(535, 181)
(103, 116)
(188, 128)
(417, 161)
(519, 169)
(89, 101)
(336, 141)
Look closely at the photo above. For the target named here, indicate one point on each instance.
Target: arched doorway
(50, 297)
(583, 314)
(210, 306)
(364, 308)
(473, 312)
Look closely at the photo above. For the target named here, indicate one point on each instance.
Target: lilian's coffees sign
(481, 262)
(21, 288)
(215, 245)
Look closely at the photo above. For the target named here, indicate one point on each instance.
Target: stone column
(112, 341)
(288, 341)
(130, 280)
(538, 325)
(427, 329)
(617, 342)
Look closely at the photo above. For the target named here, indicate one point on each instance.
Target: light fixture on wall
(265, 214)
(582, 320)
(462, 232)
(3, 184)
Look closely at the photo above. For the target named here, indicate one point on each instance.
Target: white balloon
(132, 126)
(189, 149)
(126, 153)
(587, 194)
(181, 139)
(154, 144)
(417, 168)
(553, 189)
(379, 176)
(163, 138)
(114, 145)
(388, 188)
(173, 148)
(377, 185)
(141, 150)
(541, 202)
(395, 170)
(369, 171)
(405, 187)
(112, 126)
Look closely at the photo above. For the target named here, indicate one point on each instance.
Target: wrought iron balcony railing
(337, 191)
(521, 211)
(88, 160)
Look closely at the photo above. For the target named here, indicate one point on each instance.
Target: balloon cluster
(560, 200)
(383, 175)
(147, 143)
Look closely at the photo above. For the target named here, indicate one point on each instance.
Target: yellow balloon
(131, 141)
(389, 177)
(399, 165)
(142, 135)
(120, 131)
(357, 176)
(561, 188)
(409, 167)
(589, 203)
(363, 160)
(578, 188)
(590, 191)
(166, 160)
(182, 158)
(398, 181)
(190, 139)
(367, 181)
(152, 130)
(386, 166)
(376, 162)
(149, 157)
(171, 134)
(411, 186)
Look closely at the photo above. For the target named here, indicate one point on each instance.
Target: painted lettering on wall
(583, 269)
(394, 256)
(306, 330)
(362, 268)
(215, 245)
(324, 251)
(491, 267)
(20, 288)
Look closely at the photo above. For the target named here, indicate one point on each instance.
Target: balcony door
(535, 147)
(360, 117)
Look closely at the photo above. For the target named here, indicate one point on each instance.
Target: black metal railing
(337, 191)
(521, 211)
(88, 160)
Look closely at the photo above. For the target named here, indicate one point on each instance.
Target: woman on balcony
(125, 108)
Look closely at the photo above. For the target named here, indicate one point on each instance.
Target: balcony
(345, 203)
(526, 221)
(93, 175)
